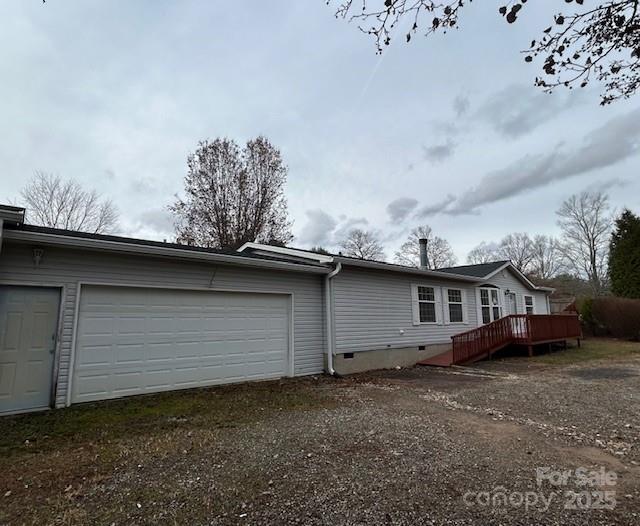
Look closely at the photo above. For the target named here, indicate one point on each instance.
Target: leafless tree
(586, 225)
(439, 251)
(320, 250)
(483, 253)
(547, 261)
(362, 244)
(233, 196)
(599, 41)
(53, 202)
(518, 248)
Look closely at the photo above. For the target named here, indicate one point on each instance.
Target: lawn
(591, 349)
(225, 406)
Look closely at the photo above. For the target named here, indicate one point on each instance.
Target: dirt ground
(413, 446)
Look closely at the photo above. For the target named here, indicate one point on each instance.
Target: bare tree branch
(586, 225)
(517, 248)
(363, 245)
(53, 202)
(483, 253)
(439, 251)
(547, 261)
(233, 196)
(601, 42)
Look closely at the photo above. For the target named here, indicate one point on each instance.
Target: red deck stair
(518, 329)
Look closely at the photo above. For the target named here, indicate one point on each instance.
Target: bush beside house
(611, 316)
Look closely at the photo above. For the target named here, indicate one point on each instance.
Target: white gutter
(305, 254)
(154, 250)
(328, 295)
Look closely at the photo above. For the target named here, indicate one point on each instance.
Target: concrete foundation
(386, 358)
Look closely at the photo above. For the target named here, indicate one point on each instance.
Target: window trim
(433, 302)
(462, 303)
(500, 304)
(533, 303)
(415, 304)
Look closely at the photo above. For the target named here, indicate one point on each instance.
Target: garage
(133, 340)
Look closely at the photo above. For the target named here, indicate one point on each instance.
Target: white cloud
(611, 143)
(318, 228)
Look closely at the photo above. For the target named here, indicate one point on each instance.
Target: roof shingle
(476, 271)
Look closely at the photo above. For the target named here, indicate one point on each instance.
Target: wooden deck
(517, 329)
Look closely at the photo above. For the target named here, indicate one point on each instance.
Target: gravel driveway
(414, 446)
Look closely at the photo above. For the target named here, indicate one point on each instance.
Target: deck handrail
(524, 329)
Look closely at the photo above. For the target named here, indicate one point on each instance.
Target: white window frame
(415, 304)
(533, 303)
(500, 304)
(462, 303)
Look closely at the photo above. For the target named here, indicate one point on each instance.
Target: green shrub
(585, 310)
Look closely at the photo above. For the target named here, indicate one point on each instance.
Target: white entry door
(28, 327)
(143, 340)
(511, 303)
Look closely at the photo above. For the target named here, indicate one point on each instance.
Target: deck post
(578, 342)
(530, 349)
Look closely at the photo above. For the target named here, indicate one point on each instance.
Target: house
(86, 317)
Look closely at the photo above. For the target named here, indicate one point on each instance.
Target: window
(454, 300)
(490, 304)
(528, 304)
(486, 310)
(427, 304)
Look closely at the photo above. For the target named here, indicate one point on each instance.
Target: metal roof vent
(424, 258)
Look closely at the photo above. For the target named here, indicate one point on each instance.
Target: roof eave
(408, 270)
(520, 275)
(149, 250)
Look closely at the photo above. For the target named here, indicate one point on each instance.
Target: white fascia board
(321, 258)
(520, 275)
(151, 250)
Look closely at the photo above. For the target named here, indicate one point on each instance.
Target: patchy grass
(592, 349)
(223, 406)
(50, 459)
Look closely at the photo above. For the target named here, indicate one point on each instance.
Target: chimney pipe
(424, 259)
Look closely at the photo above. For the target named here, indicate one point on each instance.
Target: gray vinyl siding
(506, 279)
(67, 267)
(372, 306)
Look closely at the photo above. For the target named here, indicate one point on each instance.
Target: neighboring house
(88, 317)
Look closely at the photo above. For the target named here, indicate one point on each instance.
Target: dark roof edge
(391, 267)
(72, 239)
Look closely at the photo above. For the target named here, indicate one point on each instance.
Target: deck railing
(521, 329)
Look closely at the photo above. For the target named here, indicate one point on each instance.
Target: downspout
(329, 317)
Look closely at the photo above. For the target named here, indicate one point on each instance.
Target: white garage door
(133, 340)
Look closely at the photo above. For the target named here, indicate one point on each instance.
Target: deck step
(444, 359)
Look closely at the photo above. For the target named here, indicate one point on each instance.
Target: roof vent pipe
(424, 259)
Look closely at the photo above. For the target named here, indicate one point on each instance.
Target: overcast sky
(447, 131)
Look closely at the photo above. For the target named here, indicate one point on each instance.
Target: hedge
(611, 316)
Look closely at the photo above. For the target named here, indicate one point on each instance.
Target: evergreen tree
(624, 256)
